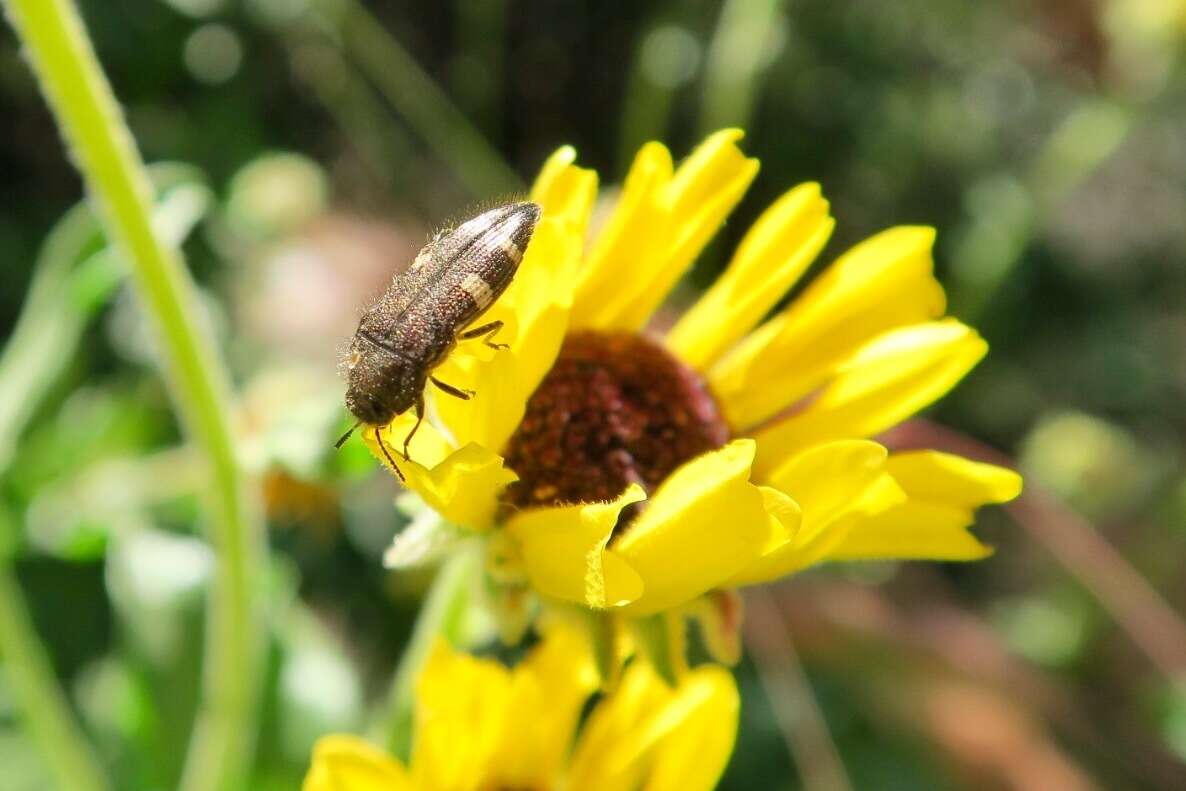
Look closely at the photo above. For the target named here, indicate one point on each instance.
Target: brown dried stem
(795, 708)
(1138, 609)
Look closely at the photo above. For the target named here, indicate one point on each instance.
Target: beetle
(426, 311)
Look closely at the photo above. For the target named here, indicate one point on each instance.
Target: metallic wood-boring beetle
(425, 312)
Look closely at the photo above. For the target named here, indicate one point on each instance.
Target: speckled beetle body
(427, 310)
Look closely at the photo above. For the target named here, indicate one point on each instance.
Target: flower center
(615, 409)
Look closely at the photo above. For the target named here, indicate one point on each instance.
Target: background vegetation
(322, 140)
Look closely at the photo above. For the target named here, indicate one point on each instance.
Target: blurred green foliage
(1045, 140)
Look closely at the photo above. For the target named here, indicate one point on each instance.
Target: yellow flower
(479, 726)
(633, 469)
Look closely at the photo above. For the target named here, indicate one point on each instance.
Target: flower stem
(68, 288)
(441, 615)
(45, 335)
(789, 691)
(1008, 212)
(419, 99)
(737, 56)
(44, 707)
(102, 147)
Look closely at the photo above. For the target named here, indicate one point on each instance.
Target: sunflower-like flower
(479, 725)
(618, 464)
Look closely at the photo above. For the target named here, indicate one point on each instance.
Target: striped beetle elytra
(425, 312)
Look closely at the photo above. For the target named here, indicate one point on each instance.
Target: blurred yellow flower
(480, 725)
(637, 470)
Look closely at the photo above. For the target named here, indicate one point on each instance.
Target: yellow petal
(701, 195)
(347, 763)
(428, 447)
(462, 485)
(882, 283)
(650, 735)
(548, 689)
(636, 229)
(714, 163)
(703, 524)
(608, 752)
(462, 708)
(882, 496)
(827, 480)
(772, 256)
(786, 512)
(938, 477)
(564, 552)
(542, 302)
(833, 483)
(491, 415)
(944, 490)
(701, 728)
(883, 383)
(660, 224)
(912, 530)
(534, 310)
(565, 191)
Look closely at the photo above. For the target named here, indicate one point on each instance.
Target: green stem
(1006, 212)
(481, 45)
(418, 98)
(441, 615)
(646, 108)
(46, 711)
(102, 146)
(45, 335)
(68, 289)
(736, 57)
(381, 144)
(665, 61)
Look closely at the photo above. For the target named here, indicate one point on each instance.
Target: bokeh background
(309, 147)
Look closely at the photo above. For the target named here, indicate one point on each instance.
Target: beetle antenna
(391, 461)
(342, 440)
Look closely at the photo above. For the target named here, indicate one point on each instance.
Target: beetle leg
(456, 392)
(342, 440)
(487, 330)
(419, 420)
(382, 447)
